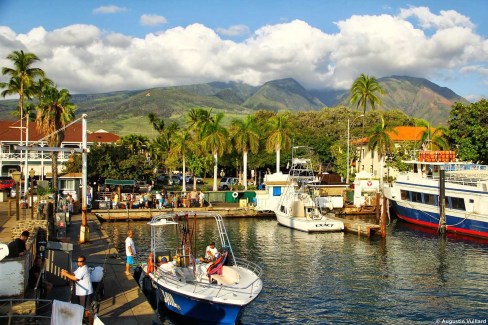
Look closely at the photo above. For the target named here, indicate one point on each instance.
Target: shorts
(130, 260)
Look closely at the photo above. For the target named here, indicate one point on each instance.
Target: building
(39, 162)
(368, 160)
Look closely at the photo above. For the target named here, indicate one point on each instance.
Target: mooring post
(442, 201)
(383, 218)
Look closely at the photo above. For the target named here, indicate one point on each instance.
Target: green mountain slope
(125, 112)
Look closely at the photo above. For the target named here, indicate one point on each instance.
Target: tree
(364, 91)
(434, 138)
(214, 139)
(158, 124)
(54, 112)
(245, 135)
(278, 137)
(180, 148)
(379, 141)
(467, 131)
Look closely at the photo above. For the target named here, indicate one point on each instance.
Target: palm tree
(135, 142)
(22, 75)
(246, 138)
(54, 112)
(214, 139)
(380, 141)
(158, 124)
(433, 138)
(181, 141)
(364, 90)
(278, 137)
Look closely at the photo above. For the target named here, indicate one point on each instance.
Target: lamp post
(32, 173)
(348, 140)
(17, 177)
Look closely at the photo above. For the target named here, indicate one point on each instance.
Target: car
(175, 180)
(199, 180)
(6, 182)
(227, 182)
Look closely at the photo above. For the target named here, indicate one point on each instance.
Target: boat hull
(309, 225)
(460, 223)
(198, 309)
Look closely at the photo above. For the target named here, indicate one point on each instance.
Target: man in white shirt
(81, 277)
(130, 251)
(210, 253)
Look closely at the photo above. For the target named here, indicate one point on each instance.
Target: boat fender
(234, 195)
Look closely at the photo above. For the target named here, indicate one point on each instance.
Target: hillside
(123, 112)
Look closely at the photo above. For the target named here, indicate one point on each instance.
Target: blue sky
(95, 46)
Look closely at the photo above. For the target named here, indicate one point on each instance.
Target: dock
(124, 302)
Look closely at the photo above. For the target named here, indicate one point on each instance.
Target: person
(35, 273)
(71, 206)
(193, 198)
(17, 247)
(210, 253)
(159, 199)
(116, 200)
(81, 277)
(150, 264)
(201, 198)
(130, 251)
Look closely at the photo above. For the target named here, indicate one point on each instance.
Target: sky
(93, 46)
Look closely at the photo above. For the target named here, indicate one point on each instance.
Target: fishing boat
(214, 292)
(300, 205)
(415, 194)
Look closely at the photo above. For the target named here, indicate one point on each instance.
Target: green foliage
(468, 125)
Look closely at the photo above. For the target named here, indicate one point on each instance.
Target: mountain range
(123, 111)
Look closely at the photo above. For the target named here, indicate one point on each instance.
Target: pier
(123, 303)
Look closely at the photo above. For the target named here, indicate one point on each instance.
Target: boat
(414, 195)
(214, 292)
(300, 205)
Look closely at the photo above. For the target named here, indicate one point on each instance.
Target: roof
(403, 133)
(9, 131)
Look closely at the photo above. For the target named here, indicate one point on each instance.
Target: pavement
(124, 303)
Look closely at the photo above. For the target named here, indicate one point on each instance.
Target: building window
(277, 191)
(66, 184)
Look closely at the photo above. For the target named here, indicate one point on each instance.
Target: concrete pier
(124, 302)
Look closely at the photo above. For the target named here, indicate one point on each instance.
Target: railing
(25, 311)
(33, 155)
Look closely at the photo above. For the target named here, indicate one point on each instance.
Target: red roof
(9, 131)
(403, 133)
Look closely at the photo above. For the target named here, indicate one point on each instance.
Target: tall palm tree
(135, 142)
(54, 112)
(278, 137)
(434, 138)
(180, 147)
(245, 134)
(380, 141)
(22, 73)
(364, 91)
(214, 139)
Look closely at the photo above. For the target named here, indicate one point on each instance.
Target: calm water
(411, 277)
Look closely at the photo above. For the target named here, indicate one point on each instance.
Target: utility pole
(84, 229)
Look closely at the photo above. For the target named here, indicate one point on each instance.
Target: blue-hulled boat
(415, 194)
(203, 292)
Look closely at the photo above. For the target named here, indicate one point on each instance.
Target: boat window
(417, 197)
(457, 203)
(277, 191)
(429, 199)
(404, 195)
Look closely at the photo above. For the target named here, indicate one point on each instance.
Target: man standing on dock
(130, 251)
(81, 277)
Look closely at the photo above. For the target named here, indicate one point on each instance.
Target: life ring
(369, 183)
(235, 195)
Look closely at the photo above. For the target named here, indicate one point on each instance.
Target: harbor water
(411, 277)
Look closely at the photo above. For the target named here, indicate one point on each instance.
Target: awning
(119, 182)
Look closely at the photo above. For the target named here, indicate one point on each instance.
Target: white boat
(415, 194)
(200, 292)
(300, 205)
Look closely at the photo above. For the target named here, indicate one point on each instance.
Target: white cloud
(152, 20)
(235, 30)
(85, 59)
(112, 9)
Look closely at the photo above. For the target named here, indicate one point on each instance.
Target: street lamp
(17, 177)
(348, 140)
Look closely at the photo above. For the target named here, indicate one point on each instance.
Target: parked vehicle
(175, 180)
(227, 182)
(199, 180)
(6, 182)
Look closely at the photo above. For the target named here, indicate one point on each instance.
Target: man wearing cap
(210, 253)
(17, 247)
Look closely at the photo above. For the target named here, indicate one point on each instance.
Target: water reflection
(412, 276)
